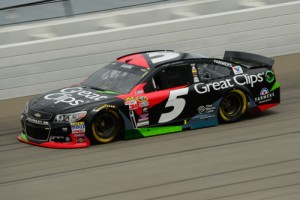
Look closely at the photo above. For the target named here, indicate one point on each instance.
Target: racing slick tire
(105, 127)
(233, 106)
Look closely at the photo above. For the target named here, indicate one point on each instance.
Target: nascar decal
(65, 96)
(143, 101)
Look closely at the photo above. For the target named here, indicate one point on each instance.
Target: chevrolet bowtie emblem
(37, 115)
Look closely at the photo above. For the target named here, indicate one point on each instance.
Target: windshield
(116, 77)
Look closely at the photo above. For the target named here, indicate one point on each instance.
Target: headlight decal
(70, 117)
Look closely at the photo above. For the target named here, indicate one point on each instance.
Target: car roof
(155, 58)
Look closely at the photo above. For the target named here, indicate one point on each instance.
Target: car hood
(69, 99)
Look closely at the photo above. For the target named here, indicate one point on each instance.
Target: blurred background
(47, 44)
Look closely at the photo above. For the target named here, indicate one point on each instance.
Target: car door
(166, 93)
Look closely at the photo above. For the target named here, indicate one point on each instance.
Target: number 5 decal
(157, 57)
(177, 104)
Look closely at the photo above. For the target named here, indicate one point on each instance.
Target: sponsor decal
(144, 104)
(129, 99)
(264, 91)
(206, 109)
(220, 62)
(269, 76)
(79, 135)
(37, 121)
(194, 70)
(237, 70)
(144, 123)
(77, 127)
(139, 92)
(142, 99)
(202, 88)
(80, 139)
(243, 79)
(131, 102)
(105, 106)
(195, 74)
(143, 117)
(265, 96)
(65, 96)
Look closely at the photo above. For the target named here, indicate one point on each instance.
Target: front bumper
(64, 145)
(53, 135)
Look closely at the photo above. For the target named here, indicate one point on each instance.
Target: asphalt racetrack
(257, 158)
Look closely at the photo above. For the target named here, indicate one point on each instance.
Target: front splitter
(57, 145)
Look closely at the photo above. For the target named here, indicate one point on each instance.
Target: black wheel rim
(232, 104)
(105, 126)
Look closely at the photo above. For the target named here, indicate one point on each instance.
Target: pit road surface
(257, 158)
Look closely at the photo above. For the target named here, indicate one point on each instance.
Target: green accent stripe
(147, 132)
(107, 92)
(23, 136)
(275, 86)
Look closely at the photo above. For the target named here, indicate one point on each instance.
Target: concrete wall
(38, 66)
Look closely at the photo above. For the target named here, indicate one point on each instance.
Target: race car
(151, 93)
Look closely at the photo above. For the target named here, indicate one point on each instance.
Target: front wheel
(233, 106)
(105, 127)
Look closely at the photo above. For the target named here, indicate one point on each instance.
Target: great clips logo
(243, 79)
(66, 96)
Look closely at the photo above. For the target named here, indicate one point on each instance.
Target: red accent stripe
(136, 59)
(66, 145)
(266, 106)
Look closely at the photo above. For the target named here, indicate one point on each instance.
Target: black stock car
(151, 93)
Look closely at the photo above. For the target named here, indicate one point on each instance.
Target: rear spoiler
(249, 60)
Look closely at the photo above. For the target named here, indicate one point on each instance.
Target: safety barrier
(38, 66)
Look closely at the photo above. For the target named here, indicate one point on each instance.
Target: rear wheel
(106, 126)
(233, 106)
